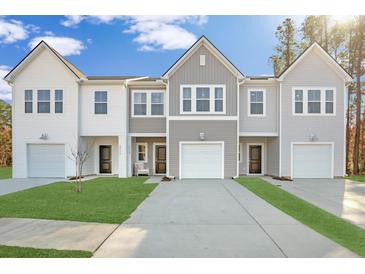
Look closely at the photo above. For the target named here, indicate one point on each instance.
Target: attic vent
(202, 60)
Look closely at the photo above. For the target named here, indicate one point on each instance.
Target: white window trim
(29, 101)
(305, 101)
(146, 152)
(262, 159)
(50, 101)
(107, 103)
(211, 99)
(148, 103)
(59, 101)
(249, 102)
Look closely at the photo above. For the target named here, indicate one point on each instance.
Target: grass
(27, 252)
(358, 178)
(327, 224)
(103, 200)
(5, 172)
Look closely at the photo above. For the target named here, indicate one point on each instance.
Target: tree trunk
(356, 151)
(348, 125)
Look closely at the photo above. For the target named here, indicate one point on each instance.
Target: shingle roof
(112, 77)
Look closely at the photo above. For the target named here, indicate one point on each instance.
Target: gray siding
(214, 131)
(268, 123)
(272, 151)
(149, 141)
(148, 124)
(214, 72)
(312, 71)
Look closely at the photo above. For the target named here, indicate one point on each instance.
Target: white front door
(201, 160)
(312, 161)
(46, 160)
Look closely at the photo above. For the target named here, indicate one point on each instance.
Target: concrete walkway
(13, 185)
(65, 235)
(343, 198)
(213, 218)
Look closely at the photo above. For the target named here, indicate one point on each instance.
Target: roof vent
(202, 60)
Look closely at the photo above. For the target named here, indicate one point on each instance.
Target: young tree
(79, 156)
(286, 50)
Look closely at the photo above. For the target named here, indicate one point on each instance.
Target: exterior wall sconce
(312, 137)
(44, 136)
(202, 136)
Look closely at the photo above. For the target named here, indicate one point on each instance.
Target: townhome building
(202, 118)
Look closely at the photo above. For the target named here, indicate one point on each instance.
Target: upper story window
(256, 102)
(44, 101)
(314, 101)
(101, 102)
(202, 99)
(58, 101)
(28, 101)
(148, 103)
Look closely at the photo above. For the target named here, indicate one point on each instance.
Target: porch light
(44, 136)
(202, 136)
(312, 137)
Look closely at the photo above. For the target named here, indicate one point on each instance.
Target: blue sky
(138, 45)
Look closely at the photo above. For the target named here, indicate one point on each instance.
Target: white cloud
(74, 20)
(163, 32)
(64, 45)
(12, 31)
(5, 89)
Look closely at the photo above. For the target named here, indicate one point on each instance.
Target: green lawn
(26, 252)
(359, 178)
(103, 200)
(5, 172)
(327, 224)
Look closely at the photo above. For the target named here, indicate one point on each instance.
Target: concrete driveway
(213, 218)
(343, 198)
(13, 185)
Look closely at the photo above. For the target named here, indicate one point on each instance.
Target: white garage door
(46, 161)
(202, 160)
(312, 161)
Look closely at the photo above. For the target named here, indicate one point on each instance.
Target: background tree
(5, 134)
(287, 48)
(315, 29)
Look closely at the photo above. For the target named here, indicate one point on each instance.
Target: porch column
(123, 156)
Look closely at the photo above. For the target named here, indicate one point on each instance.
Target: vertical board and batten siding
(267, 123)
(214, 72)
(149, 141)
(272, 152)
(312, 71)
(45, 71)
(147, 124)
(214, 131)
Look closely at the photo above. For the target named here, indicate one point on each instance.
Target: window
(142, 152)
(148, 103)
(256, 103)
(58, 101)
(218, 103)
(157, 105)
(28, 101)
(101, 102)
(314, 101)
(329, 101)
(186, 99)
(140, 103)
(298, 101)
(240, 153)
(43, 97)
(202, 60)
(202, 99)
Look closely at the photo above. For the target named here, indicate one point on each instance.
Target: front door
(255, 161)
(160, 159)
(105, 155)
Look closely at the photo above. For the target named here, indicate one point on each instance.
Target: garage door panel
(201, 161)
(312, 161)
(46, 160)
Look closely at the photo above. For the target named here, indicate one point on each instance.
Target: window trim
(211, 99)
(305, 100)
(148, 103)
(29, 101)
(249, 114)
(43, 101)
(58, 101)
(146, 152)
(107, 103)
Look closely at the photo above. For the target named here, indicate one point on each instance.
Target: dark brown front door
(105, 154)
(160, 159)
(255, 159)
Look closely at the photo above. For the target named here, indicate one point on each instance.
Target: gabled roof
(315, 46)
(209, 45)
(34, 51)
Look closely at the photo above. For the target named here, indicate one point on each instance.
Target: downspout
(239, 83)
